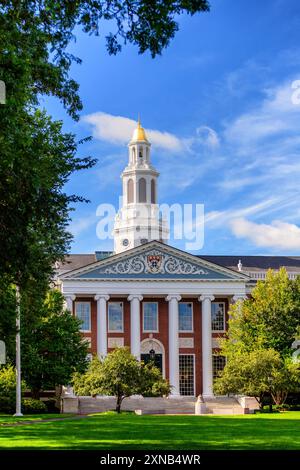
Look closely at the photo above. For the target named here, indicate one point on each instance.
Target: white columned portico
(207, 372)
(69, 299)
(101, 324)
(135, 324)
(173, 343)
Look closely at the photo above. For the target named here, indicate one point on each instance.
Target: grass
(8, 419)
(108, 431)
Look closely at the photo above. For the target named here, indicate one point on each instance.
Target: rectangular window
(150, 316)
(115, 317)
(185, 316)
(83, 312)
(218, 365)
(186, 375)
(218, 316)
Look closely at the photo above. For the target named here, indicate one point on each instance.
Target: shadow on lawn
(112, 432)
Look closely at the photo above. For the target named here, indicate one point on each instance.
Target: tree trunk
(119, 403)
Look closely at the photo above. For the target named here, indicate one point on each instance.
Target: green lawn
(8, 419)
(108, 431)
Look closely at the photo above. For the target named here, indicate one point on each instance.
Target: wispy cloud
(78, 225)
(118, 130)
(278, 234)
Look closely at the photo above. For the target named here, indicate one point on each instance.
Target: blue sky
(226, 131)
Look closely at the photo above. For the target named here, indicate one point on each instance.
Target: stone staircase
(179, 405)
(223, 406)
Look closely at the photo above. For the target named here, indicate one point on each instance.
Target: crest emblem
(154, 263)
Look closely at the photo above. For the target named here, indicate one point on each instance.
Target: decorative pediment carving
(154, 262)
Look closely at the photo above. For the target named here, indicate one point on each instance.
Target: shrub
(7, 405)
(32, 406)
(51, 405)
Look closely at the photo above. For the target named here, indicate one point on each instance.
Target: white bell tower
(138, 220)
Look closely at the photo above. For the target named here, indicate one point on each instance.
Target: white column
(173, 343)
(207, 372)
(135, 324)
(69, 299)
(101, 324)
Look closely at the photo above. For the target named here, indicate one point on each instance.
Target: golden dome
(139, 133)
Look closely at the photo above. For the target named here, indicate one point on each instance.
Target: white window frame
(216, 355)
(90, 321)
(157, 311)
(194, 373)
(224, 303)
(187, 331)
(108, 329)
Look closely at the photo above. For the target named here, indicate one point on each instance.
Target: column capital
(102, 296)
(173, 296)
(206, 297)
(238, 297)
(69, 296)
(139, 297)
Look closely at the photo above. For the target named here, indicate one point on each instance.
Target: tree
(259, 340)
(269, 319)
(52, 347)
(121, 375)
(34, 61)
(257, 373)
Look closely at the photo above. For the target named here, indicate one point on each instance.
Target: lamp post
(18, 356)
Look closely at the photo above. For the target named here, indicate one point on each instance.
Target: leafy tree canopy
(52, 346)
(121, 375)
(35, 35)
(269, 319)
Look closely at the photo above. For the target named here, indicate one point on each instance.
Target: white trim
(194, 364)
(192, 304)
(157, 311)
(163, 247)
(120, 303)
(217, 355)
(90, 314)
(224, 319)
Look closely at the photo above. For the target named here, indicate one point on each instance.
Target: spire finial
(139, 120)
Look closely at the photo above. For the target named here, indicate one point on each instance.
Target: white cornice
(160, 246)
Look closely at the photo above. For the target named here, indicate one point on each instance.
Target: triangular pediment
(154, 260)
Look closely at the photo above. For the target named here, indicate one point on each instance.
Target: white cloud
(221, 218)
(81, 224)
(275, 115)
(207, 136)
(118, 130)
(278, 234)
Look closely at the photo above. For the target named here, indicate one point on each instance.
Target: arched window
(133, 154)
(153, 192)
(141, 152)
(130, 191)
(142, 190)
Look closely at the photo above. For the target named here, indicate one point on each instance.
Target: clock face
(125, 242)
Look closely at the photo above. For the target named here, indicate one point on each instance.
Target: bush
(51, 405)
(7, 405)
(32, 406)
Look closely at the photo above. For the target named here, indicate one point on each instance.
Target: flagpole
(18, 356)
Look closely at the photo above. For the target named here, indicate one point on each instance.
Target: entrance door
(157, 360)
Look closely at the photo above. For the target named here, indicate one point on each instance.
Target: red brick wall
(162, 335)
